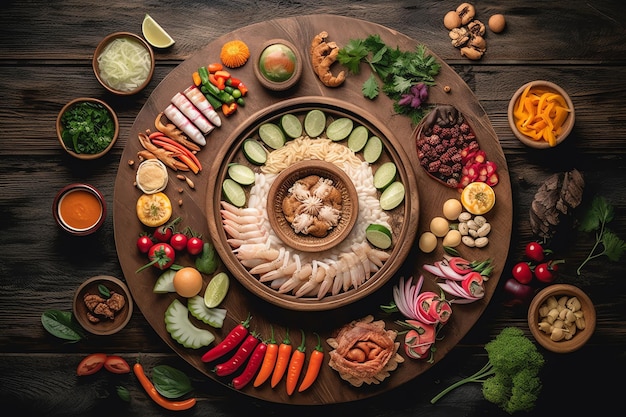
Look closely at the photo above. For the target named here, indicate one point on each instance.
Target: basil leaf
(61, 324)
(123, 393)
(104, 291)
(170, 382)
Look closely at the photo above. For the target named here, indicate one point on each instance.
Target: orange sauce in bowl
(80, 209)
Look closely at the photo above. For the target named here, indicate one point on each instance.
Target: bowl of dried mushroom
(103, 305)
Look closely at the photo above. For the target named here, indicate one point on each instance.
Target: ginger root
(323, 55)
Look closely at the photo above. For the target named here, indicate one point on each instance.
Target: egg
(439, 226)
(427, 242)
(452, 208)
(187, 282)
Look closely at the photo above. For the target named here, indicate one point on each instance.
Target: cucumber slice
(272, 135)
(385, 175)
(339, 129)
(182, 329)
(373, 149)
(233, 192)
(254, 151)
(216, 290)
(241, 174)
(165, 282)
(378, 235)
(212, 316)
(291, 125)
(392, 196)
(358, 138)
(314, 123)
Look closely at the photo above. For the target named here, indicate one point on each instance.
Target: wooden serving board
(329, 388)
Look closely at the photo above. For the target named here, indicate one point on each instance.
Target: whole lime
(277, 63)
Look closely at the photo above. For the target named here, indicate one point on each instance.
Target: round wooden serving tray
(240, 301)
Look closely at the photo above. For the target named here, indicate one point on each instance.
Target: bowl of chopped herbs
(87, 128)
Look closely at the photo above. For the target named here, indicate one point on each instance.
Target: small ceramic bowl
(279, 191)
(107, 308)
(79, 209)
(278, 66)
(541, 86)
(566, 307)
(139, 47)
(67, 143)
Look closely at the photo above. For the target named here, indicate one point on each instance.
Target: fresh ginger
(323, 55)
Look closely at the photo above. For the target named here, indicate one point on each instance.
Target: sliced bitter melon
(182, 329)
(211, 316)
(165, 282)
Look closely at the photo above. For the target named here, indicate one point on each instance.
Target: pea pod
(204, 75)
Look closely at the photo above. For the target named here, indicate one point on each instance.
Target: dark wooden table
(45, 60)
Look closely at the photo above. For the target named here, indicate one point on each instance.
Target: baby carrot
(197, 81)
(282, 361)
(295, 366)
(315, 363)
(269, 360)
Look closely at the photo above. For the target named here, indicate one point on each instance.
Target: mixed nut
(561, 318)
(467, 33)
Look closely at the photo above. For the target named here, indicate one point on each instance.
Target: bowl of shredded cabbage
(123, 63)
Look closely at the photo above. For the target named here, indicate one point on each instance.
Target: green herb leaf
(87, 128)
(170, 382)
(614, 247)
(61, 324)
(104, 291)
(370, 88)
(351, 55)
(601, 212)
(123, 393)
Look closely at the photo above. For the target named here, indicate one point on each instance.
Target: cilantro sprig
(397, 70)
(607, 243)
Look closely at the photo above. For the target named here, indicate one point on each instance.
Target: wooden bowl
(555, 293)
(280, 190)
(277, 77)
(60, 127)
(105, 326)
(567, 126)
(136, 86)
(79, 209)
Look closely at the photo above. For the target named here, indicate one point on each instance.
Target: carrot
(197, 81)
(315, 364)
(540, 114)
(295, 366)
(282, 361)
(220, 82)
(158, 398)
(216, 66)
(222, 74)
(269, 360)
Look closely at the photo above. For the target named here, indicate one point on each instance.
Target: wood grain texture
(45, 60)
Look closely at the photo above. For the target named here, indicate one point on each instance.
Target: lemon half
(155, 34)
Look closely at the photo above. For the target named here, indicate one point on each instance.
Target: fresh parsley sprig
(607, 243)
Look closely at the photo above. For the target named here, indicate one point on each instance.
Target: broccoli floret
(511, 376)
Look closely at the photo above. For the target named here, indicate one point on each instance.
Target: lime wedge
(392, 196)
(339, 129)
(378, 235)
(291, 125)
(272, 135)
(242, 174)
(216, 290)
(155, 34)
(373, 149)
(254, 151)
(233, 192)
(358, 138)
(314, 123)
(385, 175)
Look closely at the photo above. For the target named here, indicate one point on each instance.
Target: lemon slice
(216, 290)
(478, 198)
(155, 34)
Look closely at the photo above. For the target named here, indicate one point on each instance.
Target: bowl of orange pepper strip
(541, 114)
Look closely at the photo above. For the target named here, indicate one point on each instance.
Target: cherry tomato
(116, 364)
(144, 243)
(161, 255)
(523, 273)
(546, 271)
(164, 233)
(91, 364)
(179, 241)
(194, 245)
(535, 252)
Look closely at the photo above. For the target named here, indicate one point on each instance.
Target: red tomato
(535, 252)
(179, 241)
(523, 273)
(144, 243)
(162, 255)
(546, 272)
(163, 234)
(116, 364)
(91, 364)
(194, 245)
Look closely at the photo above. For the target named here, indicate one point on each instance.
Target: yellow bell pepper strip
(229, 109)
(540, 114)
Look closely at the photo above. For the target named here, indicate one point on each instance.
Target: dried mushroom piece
(364, 352)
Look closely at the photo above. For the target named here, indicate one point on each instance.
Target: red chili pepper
(459, 265)
(473, 283)
(244, 351)
(233, 82)
(256, 359)
(220, 83)
(441, 310)
(242, 88)
(230, 342)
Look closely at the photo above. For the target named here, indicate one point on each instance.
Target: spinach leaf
(61, 324)
(170, 382)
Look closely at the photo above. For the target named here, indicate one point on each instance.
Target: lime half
(233, 192)
(314, 123)
(242, 174)
(216, 290)
(392, 196)
(291, 125)
(378, 235)
(373, 149)
(358, 138)
(272, 135)
(339, 129)
(155, 34)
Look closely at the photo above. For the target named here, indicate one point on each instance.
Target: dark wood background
(45, 60)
